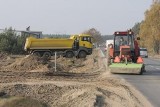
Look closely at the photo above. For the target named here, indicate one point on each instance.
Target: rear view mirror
(138, 38)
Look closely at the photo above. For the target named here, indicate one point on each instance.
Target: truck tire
(47, 55)
(142, 70)
(82, 54)
(69, 54)
(37, 54)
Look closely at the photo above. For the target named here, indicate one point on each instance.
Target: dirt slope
(109, 92)
(77, 83)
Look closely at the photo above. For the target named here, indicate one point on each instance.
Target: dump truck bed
(48, 43)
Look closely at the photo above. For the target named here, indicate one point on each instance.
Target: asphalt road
(148, 83)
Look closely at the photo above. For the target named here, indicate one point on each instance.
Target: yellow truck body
(48, 43)
(73, 45)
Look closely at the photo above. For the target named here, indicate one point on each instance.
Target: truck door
(86, 42)
(76, 43)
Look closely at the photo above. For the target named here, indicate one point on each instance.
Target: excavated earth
(29, 81)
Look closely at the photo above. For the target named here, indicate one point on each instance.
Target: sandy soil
(77, 83)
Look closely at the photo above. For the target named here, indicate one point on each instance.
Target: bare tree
(95, 34)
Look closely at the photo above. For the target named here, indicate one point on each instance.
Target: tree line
(11, 43)
(149, 29)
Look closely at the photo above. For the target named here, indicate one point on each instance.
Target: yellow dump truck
(77, 45)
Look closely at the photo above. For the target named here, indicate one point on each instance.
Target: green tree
(7, 40)
(20, 44)
(10, 42)
(4, 45)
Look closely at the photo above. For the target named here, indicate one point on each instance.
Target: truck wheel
(37, 54)
(82, 54)
(47, 55)
(69, 54)
(142, 70)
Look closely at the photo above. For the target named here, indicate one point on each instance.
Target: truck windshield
(123, 40)
(87, 39)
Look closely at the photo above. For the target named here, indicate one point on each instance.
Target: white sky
(72, 16)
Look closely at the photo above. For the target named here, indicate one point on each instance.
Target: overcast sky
(72, 16)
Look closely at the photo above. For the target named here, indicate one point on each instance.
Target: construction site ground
(29, 81)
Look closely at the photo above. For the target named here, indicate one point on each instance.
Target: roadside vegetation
(10, 42)
(149, 29)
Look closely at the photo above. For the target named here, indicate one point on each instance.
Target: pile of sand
(103, 93)
(81, 65)
(27, 63)
(3, 56)
(9, 101)
(36, 64)
(30, 63)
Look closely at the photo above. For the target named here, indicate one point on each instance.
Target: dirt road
(77, 84)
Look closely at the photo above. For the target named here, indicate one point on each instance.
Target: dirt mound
(100, 90)
(30, 63)
(37, 64)
(20, 102)
(106, 93)
(27, 63)
(84, 65)
(3, 56)
(5, 60)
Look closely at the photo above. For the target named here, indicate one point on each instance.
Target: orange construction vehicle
(124, 55)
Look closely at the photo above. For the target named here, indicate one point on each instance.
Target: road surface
(148, 83)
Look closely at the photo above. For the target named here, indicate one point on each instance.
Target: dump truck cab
(82, 44)
(83, 40)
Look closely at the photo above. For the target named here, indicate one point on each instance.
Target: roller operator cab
(124, 41)
(76, 46)
(124, 56)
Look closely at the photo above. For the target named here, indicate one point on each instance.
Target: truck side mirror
(138, 38)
